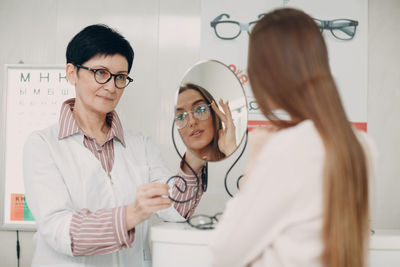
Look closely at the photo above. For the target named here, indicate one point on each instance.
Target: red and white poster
(225, 30)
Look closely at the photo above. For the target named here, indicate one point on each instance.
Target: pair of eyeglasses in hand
(204, 222)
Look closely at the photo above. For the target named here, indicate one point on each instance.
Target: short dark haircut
(98, 39)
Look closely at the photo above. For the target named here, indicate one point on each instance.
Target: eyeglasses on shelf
(231, 29)
(342, 29)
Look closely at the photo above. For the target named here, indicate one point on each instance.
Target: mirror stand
(204, 172)
(234, 163)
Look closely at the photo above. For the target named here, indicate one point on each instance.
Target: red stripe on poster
(255, 124)
(362, 126)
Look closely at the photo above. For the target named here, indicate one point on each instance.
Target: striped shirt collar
(69, 126)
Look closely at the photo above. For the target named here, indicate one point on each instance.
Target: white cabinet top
(180, 233)
(385, 240)
(183, 233)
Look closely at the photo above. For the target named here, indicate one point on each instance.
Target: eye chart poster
(228, 42)
(32, 98)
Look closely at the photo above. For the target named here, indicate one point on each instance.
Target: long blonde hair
(288, 67)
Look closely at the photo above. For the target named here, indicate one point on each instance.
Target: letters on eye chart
(36, 84)
(37, 92)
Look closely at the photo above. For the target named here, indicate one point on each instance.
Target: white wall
(384, 107)
(163, 36)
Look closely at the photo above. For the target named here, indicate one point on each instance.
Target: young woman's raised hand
(227, 136)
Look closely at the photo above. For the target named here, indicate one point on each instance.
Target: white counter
(385, 240)
(385, 248)
(180, 245)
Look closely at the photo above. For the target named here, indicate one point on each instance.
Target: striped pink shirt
(103, 152)
(104, 231)
(100, 232)
(187, 209)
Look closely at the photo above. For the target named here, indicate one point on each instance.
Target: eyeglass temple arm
(218, 18)
(344, 24)
(325, 24)
(328, 24)
(342, 27)
(261, 15)
(246, 26)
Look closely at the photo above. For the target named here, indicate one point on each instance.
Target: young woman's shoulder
(371, 151)
(294, 152)
(297, 141)
(367, 143)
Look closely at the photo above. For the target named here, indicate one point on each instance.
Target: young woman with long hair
(304, 201)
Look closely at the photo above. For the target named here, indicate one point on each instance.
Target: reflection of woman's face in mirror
(197, 123)
(197, 134)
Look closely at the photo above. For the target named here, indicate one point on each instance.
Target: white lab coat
(62, 177)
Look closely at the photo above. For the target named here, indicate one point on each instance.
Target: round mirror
(211, 111)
